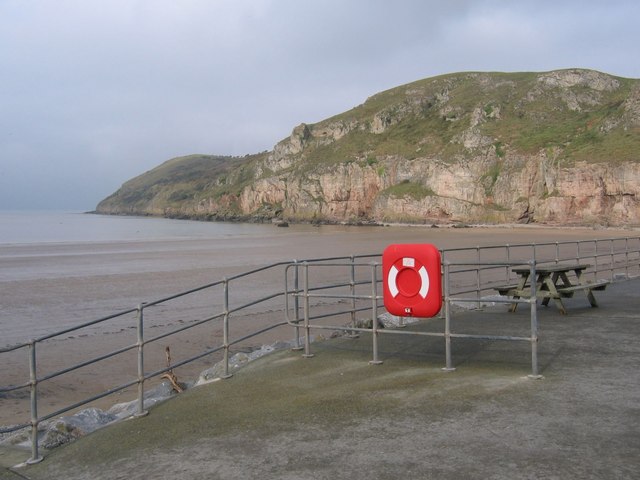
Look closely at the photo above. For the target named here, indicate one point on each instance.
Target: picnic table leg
(553, 293)
(587, 291)
(565, 280)
(592, 299)
(521, 284)
(542, 282)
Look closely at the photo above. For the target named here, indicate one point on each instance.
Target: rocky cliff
(553, 147)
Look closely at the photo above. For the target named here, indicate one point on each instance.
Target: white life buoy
(410, 264)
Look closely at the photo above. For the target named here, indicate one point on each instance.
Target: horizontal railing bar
(11, 388)
(299, 262)
(338, 285)
(471, 290)
(87, 363)
(88, 400)
(260, 269)
(256, 302)
(183, 328)
(453, 335)
(388, 331)
(332, 259)
(14, 428)
(12, 348)
(256, 270)
(535, 245)
(324, 295)
(85, 325)
(501, 264)
(182, 294)
(485, 269)
(336, 314)
(323, 264)
(297, 322)
(214, 317)
(183, 362)
(258, 332)
(495, 300)
(490, 337)
(410, 332)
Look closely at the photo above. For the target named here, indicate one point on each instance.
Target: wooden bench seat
(505, 289)
(597, 285)
(513, 291)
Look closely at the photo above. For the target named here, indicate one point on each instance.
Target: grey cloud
(93, 93)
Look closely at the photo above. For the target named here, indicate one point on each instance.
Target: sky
(95, 92)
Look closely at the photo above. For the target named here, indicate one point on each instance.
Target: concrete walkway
(336, 416)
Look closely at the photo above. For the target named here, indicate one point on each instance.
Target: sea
(52, 262)
(33, 227)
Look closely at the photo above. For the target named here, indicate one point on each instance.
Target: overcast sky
(94, 92)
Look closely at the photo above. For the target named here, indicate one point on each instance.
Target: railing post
(443, 260)
(141, 411)
(447, 320)
(506, 268)
(374, 314)
(296, 306)
(352, 290)
(307, 338)
(612, 259)
(478, 295)
(578, 251)
(626, 259)
(595, 260)
(225, 330)
(33, 383)
(533, 303)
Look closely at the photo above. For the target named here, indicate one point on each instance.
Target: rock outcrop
(554, 147)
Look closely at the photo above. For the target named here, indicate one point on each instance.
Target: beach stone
(151, 397)
(238, 360)
(66, 429)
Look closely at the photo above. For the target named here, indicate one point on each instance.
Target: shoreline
(253, 219)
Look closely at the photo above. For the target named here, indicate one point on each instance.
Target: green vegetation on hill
(513, 110)
(181, 179)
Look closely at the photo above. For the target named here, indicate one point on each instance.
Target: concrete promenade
(335, 416)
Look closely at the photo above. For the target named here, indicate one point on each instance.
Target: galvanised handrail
(374, 298)
(34, 380)
(607, 254)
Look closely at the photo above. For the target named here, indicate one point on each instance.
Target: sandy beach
(48, 287)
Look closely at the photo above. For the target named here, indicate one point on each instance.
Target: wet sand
(49, 287)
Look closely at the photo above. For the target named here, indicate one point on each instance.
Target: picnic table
(553, 283)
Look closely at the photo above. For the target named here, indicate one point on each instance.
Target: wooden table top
(555, 268)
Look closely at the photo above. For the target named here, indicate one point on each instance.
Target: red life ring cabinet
(412, 280)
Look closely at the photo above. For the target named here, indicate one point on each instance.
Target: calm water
(59, 269)
(30, 227)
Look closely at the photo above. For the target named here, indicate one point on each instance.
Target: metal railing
(351, 286)
(307, 292)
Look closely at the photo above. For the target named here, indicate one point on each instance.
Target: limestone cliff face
(529, 189)
(557, 147)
